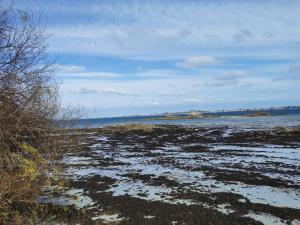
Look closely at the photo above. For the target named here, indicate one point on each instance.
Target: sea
(289, 120)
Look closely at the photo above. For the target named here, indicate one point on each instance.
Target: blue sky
(141, 57)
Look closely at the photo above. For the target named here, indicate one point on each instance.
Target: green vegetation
(28, 106)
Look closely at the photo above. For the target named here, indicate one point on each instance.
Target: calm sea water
(241, 121)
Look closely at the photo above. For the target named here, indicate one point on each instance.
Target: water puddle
(159, 173)
(108, 218)
(70, 197)
(225, 209)
(266, 219)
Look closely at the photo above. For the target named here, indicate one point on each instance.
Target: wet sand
(184, 175)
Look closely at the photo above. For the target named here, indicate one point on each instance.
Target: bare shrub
(29, 103)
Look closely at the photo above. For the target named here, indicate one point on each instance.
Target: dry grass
(28, 105)
(147, 128)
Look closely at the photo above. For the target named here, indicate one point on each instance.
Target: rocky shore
(165, 174)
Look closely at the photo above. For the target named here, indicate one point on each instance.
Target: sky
(117, 58)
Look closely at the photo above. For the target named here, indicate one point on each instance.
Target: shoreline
(269, 121)
(158, 174)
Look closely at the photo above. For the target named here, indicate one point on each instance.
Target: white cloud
(85, 91)
(118, 92)
(96, 74)
(233, 75)
(232, 78)
(294, 69)
(243, 35)
(292, 72)
(74, 71)
(69, 68)
(105, 90)
(192, 100)
(173, 29)
(197, 61)
(159, 73)
(174, 94)
(189, 32)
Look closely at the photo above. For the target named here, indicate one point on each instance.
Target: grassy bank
(29, 104)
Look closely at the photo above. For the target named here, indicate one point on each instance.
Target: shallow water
(197, 180)
(167, 172)
(236, 121)
(266, 219)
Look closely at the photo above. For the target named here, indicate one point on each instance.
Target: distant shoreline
(284, 110)
(210, 115)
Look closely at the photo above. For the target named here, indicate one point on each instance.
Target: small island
(194, 114)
